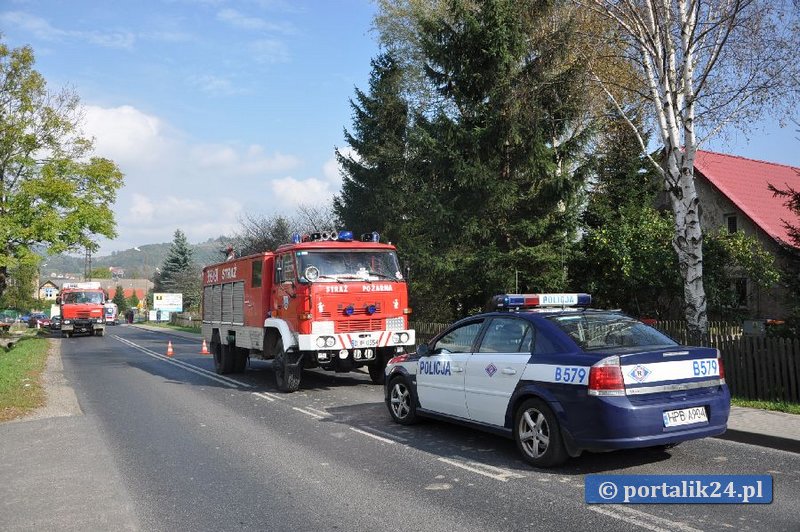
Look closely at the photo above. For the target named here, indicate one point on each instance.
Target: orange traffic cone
(170, 352)
(204, 351)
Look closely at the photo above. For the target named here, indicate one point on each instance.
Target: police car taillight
(605, 378)
(721, 368)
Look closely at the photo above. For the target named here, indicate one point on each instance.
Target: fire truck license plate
(686, 416)
(365, 342)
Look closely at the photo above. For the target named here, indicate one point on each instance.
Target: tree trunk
(3, 279)
(688, 238)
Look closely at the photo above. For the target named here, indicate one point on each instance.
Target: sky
(214, 109)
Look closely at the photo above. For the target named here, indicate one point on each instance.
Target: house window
(733, 223)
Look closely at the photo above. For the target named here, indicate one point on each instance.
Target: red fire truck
(82, 308)
(325, 300)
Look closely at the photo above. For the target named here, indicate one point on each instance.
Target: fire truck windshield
(349, 264)
(83, 297)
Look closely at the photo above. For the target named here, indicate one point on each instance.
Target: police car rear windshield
(346, 265)
(609, 331)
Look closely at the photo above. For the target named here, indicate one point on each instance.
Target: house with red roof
(735, 196)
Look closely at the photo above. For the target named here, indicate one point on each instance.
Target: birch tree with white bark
(704, 67)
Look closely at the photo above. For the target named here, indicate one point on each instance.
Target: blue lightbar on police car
(509, 301)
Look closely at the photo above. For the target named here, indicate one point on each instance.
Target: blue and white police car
(561, 378)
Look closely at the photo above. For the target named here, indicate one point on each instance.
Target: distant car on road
(38, 319)
(561, 380)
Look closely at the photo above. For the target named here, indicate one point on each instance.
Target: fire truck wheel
(223, 359)
(287, 377)
(377, 370)
(98, 332)
(239, 359)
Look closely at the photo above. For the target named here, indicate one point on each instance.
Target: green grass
(20, 377)
(776, 406)
(165, 325)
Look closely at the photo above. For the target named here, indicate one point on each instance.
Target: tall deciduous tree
(703, 67)
(52, 192)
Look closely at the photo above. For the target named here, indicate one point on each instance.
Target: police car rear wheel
(401, 402)
(538, 435)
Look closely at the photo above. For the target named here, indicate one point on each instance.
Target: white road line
(389, 435)
(658, 521)
(232, 383)
(482, 469)
(628, 519)
(264, 396)
(375, 436)
(306, 412)
(273, 396)
(320, 412)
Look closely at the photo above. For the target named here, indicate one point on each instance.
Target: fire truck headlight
(396, 338)
(403, 337)
(369, 353)
(343, 354)
(329, 341)
(66, 322)
(320, 341)
(357, 354)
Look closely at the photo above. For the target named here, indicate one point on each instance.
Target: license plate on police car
(685, 416)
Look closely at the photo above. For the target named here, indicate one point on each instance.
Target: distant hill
(137, 264)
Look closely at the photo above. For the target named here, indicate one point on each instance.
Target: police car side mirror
(423, 350)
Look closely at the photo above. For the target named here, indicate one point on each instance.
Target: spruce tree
(176, 265)
(119, 300)
(372, 197)
(496, 201)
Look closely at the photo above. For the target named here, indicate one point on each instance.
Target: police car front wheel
(538, 435)
(402, 406)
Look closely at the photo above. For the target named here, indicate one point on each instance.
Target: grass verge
(775, 406)
(20, 377)
(163, 325)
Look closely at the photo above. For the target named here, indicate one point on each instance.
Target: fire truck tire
(223, 359)
(239, 359)
(377, 370)
(287, 377)
(98, 332)
(65, 334)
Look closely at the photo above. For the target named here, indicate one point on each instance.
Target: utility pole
(87, 265)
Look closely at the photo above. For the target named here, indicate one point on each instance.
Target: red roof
(745, 182)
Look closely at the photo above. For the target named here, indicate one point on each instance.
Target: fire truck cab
(324, 300)
(82, 308)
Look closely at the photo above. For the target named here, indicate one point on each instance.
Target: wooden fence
(756, 367)
(185, 319)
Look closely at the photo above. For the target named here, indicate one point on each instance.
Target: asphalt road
(197, 451)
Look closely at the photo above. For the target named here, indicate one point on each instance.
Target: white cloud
(42, 29)
(172, 182)
(293, 191)
(269, 51)
(238, 20)
(216, 85)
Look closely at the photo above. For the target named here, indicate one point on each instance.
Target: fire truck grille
(358, 325)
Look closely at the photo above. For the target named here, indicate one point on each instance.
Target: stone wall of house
(762, 303)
